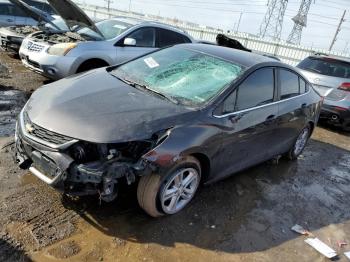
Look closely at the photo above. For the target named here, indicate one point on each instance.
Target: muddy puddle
(11, 103)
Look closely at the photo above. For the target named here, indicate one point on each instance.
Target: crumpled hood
(73, 15)
(97, 107)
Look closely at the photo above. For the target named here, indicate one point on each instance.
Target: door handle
(270, 117)
(9, 20)
(234, 118)
(304, 105)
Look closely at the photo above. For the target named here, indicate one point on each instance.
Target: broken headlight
(61, 49)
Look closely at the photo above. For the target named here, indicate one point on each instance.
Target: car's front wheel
(300, 143)
(159, 195)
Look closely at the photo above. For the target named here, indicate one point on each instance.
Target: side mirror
(129, 42)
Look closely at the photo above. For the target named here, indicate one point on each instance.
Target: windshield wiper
(143, 86)
(171, 99)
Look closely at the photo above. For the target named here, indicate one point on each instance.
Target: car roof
(340, 58)
(137, 21)
(244, 58)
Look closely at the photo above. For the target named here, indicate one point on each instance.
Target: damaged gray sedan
(166, 121)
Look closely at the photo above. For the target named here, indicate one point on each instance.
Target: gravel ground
(244, 218)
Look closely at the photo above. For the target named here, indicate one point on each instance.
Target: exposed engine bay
(60, 37)
(23, 30)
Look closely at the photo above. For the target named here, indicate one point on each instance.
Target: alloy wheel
(179, 190)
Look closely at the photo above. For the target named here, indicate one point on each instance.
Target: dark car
(330, 76)
(167, 120)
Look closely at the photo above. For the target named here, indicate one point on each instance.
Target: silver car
(105, 43)
(11, 37)
(330, 76)
(12, 15)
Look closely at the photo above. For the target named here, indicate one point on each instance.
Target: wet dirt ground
(244, 218)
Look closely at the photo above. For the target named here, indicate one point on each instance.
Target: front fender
(184, 141)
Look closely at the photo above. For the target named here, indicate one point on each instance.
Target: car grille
(44, 134)
(33, 47)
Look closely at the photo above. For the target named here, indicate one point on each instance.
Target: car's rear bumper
(335, 114)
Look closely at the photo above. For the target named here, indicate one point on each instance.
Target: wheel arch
(88, 61)
(204, 161)
(312, 126)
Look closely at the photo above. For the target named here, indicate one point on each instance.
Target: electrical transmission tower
(271, 27)
(300, 21)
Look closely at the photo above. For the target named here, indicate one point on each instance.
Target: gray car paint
(125, 113)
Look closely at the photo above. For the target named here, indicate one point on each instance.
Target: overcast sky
(324, 16)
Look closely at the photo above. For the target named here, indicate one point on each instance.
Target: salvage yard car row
(163, 110)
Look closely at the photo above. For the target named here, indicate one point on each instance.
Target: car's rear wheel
(300, 143)
(171, 193)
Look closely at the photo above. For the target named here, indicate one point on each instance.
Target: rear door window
(303, 86)
(256, 90)
(16, 11)
(289, 83)
(4, 9)
(168, 38)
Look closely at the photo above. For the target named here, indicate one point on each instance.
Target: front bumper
(57, 168)
(50, 66)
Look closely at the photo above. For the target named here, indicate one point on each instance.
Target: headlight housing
(61, 49)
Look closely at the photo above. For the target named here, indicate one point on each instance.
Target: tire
(152, 188)
(297, 149)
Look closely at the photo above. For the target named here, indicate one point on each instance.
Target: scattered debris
(321, 247)
(341, 243)
(347, 254)
(299, 229)
(119, 242)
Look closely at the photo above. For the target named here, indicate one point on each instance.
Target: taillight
(345, 87)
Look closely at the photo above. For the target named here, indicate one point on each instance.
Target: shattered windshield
(190, 77)
(109, 28)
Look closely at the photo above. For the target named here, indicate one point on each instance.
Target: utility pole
(109, 2)
(300, 21)
(239, 22)
(129, 6)
(271, 26)
(342, 20)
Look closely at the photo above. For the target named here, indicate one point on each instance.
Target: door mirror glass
(129, 42)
